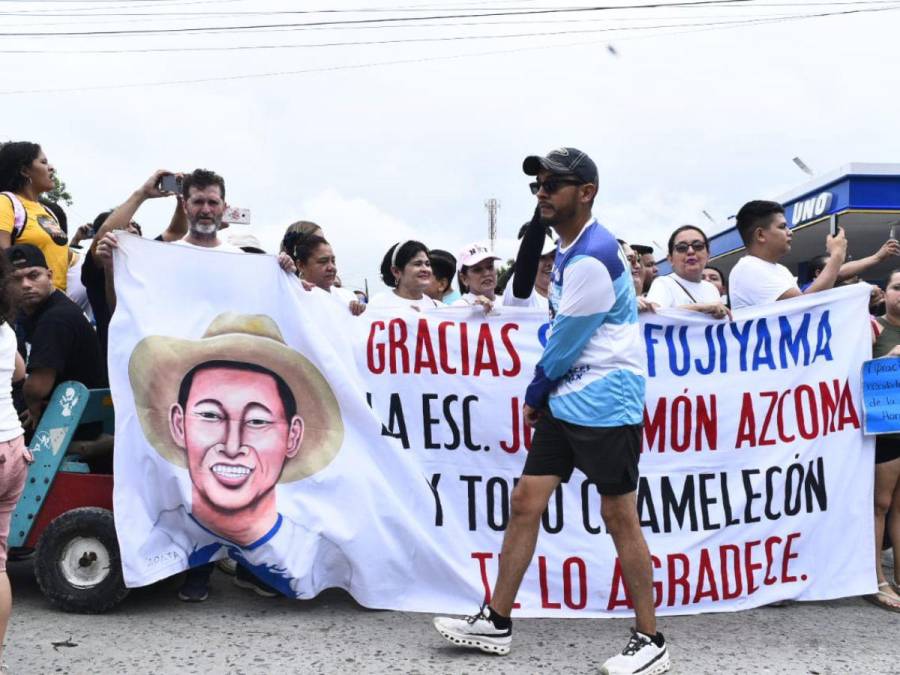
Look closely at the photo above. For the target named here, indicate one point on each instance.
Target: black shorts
(608, 456)
(887, 448)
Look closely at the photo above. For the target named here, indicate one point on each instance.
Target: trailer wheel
(77, 564)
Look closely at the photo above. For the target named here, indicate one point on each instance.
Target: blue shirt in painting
(592, 371)
(289, 557)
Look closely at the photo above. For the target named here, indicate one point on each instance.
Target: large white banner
(378, 454)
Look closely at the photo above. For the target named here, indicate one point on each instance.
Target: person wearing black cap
(586, 404)
(60, 344)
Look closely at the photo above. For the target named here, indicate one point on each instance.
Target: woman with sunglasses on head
(406, 269)
(684, 287)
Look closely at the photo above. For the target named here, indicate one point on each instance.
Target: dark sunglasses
(551, 185)
(683, 246)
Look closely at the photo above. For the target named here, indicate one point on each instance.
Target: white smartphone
(236, 215)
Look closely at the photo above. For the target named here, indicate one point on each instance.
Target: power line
(418, 40)
(388, 20)
(415, 60)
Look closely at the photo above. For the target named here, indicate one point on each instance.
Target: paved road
(236, 631)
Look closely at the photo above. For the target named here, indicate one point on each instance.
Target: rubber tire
(88, 521)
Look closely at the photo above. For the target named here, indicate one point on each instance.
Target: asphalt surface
(236, 631)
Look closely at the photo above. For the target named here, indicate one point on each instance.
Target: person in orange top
(25, 174)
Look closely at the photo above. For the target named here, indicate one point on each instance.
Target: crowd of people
(57, 297)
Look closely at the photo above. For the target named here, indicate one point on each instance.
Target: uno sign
(810, 209)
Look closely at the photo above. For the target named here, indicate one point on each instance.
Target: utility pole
(492, 206)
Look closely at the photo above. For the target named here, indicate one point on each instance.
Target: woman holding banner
(684, 287)
(406, 269)
(887, 458)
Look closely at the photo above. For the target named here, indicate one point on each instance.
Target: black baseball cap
(641, 249)
(567, 161)
(21, 256)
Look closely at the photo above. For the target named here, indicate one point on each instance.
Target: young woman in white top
(406, 269)
(14, 455)
(317, 265)
(477, 276)
(684, 287)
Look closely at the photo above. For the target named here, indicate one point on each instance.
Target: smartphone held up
(170, 183)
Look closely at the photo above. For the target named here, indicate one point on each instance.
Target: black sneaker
(245, 579)
(196, 584)
(478, 632)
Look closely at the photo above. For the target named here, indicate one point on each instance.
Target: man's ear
(590, 191)
(295, 436)
(176, 425)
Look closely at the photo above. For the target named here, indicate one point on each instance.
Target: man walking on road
(586, 405)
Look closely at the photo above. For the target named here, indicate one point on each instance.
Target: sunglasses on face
(551, 185)
(683, 246)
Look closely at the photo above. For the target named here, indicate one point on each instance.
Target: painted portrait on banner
(241, 412)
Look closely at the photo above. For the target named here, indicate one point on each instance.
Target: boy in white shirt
(758, 278)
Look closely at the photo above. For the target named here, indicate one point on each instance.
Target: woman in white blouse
(684, 287)
(406, 269)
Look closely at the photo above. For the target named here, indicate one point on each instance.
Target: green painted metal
(71, 404)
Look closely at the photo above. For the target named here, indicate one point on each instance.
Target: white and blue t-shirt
(592, 371)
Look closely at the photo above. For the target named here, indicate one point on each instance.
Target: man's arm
(37, 389)
(122, 215)
(854, 267)
(587, 297)
(178, 225)
(836, 247)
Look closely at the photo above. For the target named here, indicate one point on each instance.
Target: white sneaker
(476, 631)
(641, 655)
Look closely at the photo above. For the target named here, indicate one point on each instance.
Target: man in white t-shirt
(758, 278)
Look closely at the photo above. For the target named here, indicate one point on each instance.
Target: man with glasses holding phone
(586, 405)
(684, 287)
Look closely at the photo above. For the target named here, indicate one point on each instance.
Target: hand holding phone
(236, 215)
(170, 183)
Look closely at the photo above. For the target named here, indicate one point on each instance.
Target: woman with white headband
(406, 268)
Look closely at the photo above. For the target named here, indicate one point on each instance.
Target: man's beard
(205, 229)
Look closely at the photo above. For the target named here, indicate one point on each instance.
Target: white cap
(549, 245)
(244, 239)
(473, 254)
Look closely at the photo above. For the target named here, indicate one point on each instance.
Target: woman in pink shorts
(14, 455)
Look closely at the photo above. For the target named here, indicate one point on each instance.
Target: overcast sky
(680, 119)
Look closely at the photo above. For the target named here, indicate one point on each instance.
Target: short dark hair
(816, 264)
(887, 281)
(443, 264)
(201, 179)
(15, 156)
(721, 274)
(754, 214)
(684, 228)
(284, 391)
(407, 251)
(304, 245)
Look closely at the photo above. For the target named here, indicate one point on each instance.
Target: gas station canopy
(865, 200)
